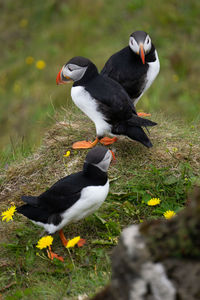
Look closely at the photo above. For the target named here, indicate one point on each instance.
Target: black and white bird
(73, 197)
(104, 101)
(135, 67)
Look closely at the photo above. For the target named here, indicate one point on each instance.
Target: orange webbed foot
(85, 144)
(108, 141)
(81, 242)
(53, 255)
(142, 114)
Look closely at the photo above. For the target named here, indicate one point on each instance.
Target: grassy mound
(167, 171)
(54, 31)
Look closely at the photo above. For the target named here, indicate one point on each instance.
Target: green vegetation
(39, 122)
(55, 31)
(178, 238)
(167, 171)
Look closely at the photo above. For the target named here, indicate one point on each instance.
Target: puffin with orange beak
(105, 102)
(135, 67)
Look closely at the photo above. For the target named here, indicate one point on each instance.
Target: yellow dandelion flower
(73, 242)
(67, 154)
(175, 149)
(23, 23)
(40, 64)
(8, 214)
(153, 201)
(29, 60)
(169, 214)
(45, 242)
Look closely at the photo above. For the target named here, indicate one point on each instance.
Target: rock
(159, 260)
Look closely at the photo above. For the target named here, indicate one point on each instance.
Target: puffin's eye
(70, 69)
(147, 41)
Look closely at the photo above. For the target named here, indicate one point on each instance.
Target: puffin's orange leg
(85, 144)
(142, 114)
(63, 238)
(81, 242)
(53, 255)
(108, 141)
(113, 155)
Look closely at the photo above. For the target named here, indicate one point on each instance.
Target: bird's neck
(90, 73)
(94, 172)
(131, 53)
(151, 57)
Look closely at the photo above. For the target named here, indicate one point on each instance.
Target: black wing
(63, 194)
(115, 102)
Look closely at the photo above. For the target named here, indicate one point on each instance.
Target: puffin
(135, 67)
(105, 102)
(73, 197)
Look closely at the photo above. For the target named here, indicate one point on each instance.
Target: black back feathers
(48, 207)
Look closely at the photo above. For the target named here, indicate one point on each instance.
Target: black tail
(137, 121)
(133, 129)
(33, 213)
(137, 133)
(24, 210)
(32, 200)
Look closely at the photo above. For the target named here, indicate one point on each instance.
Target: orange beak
(59, 79)
(141, 52)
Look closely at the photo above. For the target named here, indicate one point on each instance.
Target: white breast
(153, 70)
(89, 106)
(91, 199)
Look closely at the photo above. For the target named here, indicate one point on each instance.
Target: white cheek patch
(65, 72)
(147, 45)
(104, 164)
(76, 74)
(133, 45)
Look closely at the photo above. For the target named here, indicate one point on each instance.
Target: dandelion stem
(71, 258)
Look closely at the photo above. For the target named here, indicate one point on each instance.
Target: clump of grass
(29, 95)
(167, 171)
(177, 238)
(168, 184)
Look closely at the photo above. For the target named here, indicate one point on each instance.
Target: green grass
(39, 123)
(167, 171)
(56, 31)
(34, 275)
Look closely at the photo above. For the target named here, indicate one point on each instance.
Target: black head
(140, 43)
(139, 36)
(100, 157)
(75, 69)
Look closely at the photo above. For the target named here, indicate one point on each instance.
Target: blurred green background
(38, 37)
